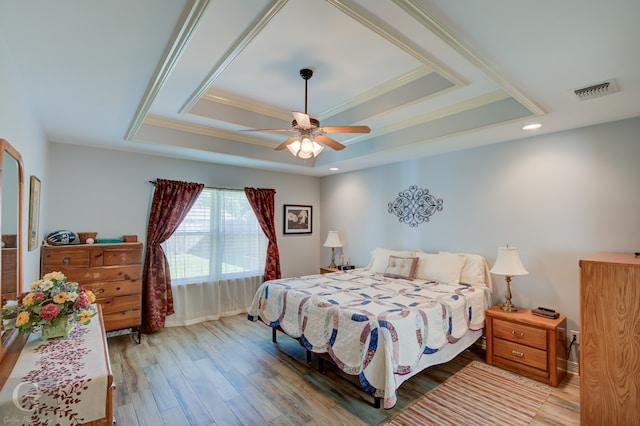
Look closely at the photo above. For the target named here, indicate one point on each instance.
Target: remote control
(545, 314)
(540, 308)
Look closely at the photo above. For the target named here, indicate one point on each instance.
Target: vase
(60, 329)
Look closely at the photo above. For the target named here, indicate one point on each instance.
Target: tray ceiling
(183, 78)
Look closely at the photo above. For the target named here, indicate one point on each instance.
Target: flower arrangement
(53, 301)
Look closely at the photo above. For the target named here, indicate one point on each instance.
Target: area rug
(479, 394)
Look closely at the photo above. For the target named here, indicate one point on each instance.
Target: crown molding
(154, 120)
(224, 98)
(390, 34)
(418, 12)
(190, 21)
(478, 101)
(379, 90)
(243, 41)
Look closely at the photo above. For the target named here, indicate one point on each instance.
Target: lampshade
(333, 240)
(508, 263)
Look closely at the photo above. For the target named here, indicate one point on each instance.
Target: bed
(406, 311)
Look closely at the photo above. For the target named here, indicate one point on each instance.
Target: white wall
(109, 192)
(19, 125)
(557, 197)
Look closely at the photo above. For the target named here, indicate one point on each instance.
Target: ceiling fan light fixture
(306, 149)
(317, 148)
(294, 148)
(303, 145)
(306, 146)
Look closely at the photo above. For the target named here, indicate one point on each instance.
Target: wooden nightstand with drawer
(527, 344)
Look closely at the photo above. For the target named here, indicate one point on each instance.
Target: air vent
(596, 90)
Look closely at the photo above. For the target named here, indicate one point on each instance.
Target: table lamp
(333, 241)
(508, 264)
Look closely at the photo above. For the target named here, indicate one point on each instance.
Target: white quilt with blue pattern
(370, 325)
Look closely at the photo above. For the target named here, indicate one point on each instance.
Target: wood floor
(228, 372)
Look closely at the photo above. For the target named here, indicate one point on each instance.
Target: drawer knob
(66, 260)
(517, 333)
(518, 354)
(98, 291)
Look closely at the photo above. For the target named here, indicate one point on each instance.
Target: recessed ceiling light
(532, 126)
(334, 169)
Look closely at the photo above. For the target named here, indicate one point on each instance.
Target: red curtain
(172, 200)
(263, 205)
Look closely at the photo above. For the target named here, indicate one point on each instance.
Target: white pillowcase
(380, 259)
(474, 271)
(443, 267)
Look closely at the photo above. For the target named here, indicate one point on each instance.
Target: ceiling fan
(306, 143)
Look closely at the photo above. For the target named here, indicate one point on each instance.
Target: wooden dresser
(609, 339)
(527, 344)
(113, 272)
(9, 276)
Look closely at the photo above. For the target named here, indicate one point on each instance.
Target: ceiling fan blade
(269, 130)
(346, 129)
(302, 119)
(331, 143)
(284, 144)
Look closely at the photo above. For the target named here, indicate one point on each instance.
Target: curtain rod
(153, 182)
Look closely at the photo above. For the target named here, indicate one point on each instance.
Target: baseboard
(573, 368)
(481, 343)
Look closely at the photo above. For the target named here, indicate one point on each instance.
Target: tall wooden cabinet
(113, 272)
(610, 339)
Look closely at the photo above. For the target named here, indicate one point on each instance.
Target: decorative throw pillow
(401, 267)
(443, 267)
(380, 259)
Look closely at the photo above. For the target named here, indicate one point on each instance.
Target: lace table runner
(60, 381)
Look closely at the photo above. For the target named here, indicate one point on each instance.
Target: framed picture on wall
(297, 219)
(34, 212)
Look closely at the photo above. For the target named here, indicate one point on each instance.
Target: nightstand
(527, 344)
(327, 270)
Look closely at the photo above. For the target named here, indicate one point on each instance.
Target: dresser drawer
(114, 289)
(520, 353)
(54, 260)
(120, 304)
(86, 276)
(120, 320)
(520, 333)
(113, 257)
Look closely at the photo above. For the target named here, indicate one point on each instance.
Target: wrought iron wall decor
(415, 205)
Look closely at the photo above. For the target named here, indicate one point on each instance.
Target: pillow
(401, 267)
(443, 267)
(474, 271)
(380, 259)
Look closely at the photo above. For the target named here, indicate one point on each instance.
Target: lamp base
(333, 258)
(509, 307)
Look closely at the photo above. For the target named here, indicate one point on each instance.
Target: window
(219, 239)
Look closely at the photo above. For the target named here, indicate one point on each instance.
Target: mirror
(11, 200)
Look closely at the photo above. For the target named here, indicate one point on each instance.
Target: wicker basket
(84, 235)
